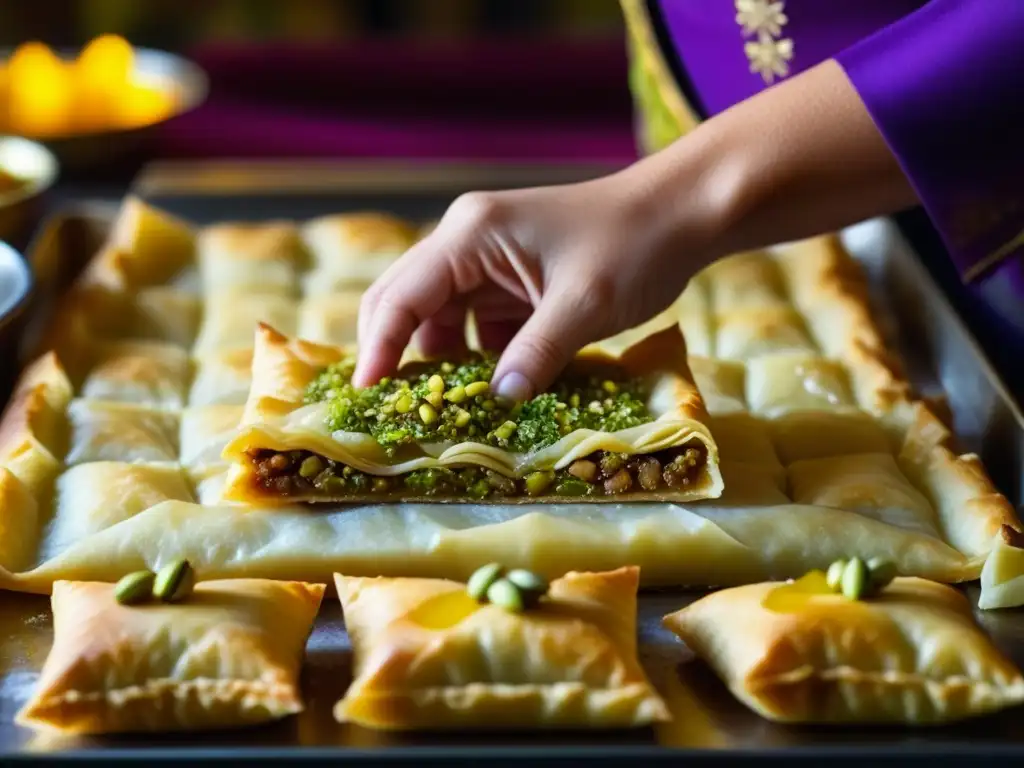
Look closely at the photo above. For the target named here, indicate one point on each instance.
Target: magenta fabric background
(478, 100)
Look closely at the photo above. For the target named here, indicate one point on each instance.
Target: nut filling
(301, 473)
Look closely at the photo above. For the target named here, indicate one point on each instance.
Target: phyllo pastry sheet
(111, 447)
(1002, 578)
(353, 250)
(428, 656)
(800, 653)
(229, 655)
(613, 428)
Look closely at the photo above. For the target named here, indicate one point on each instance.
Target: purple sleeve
(945, 86)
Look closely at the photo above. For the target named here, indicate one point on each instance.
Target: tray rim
(307, 177)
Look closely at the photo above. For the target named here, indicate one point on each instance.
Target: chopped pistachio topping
(453, 403)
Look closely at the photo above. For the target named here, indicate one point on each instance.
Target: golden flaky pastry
(353, 249)
(427, 656)
(1002, 578)
(798, 653)
(280, 425)
(229, 655)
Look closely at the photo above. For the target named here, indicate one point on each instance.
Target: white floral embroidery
(759, 16)
(769, 57)
(770, 53)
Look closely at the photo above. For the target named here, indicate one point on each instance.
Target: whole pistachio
(855, 579)
(174, 582)
(311, 467)
(834, 576)
(427, 413)
(538, 482)
(482, 579)
(532, 586)
(135, 588)
(504, 594)
(881, 572)
(455, 394)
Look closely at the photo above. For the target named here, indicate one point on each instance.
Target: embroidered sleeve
(944, 86)
(768, 52)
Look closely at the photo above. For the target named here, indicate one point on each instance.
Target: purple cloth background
(709, 41)
(476, 100)
(945, 86)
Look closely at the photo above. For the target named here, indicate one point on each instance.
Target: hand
(545, 271)
(548, 270)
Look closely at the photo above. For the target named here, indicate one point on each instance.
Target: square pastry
(353, 249)
(151, 314)
(205, 430)
(166, 314)
(870, 484)
(813, 434)
(745, 281)
(799, 653)
(330, 319)
(428, 656)
(93, 497)
(103, 431)
(777, 384)
(748, 332)
(141, 373)
(222, 378)
(146, 247)
(228, 655)
(251, 258)
(230, 324)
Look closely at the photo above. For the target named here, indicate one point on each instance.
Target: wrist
(690, 197)
(797, 160)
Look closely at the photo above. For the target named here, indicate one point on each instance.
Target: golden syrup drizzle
(444, 611)
(798, 595)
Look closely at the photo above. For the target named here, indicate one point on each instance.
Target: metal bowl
(37, 168)
(104, 148)
(15, 293)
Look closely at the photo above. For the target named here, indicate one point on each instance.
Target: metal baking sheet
(709, 724)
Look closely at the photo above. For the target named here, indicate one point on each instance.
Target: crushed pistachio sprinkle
(448, 402)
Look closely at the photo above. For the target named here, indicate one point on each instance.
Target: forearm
(797, 160)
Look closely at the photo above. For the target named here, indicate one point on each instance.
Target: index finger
(413, 289)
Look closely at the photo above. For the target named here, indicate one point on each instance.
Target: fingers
(497, 336)
(497, 317)
(413, 289)
(444, 334)
(418, 285)
(564, 322)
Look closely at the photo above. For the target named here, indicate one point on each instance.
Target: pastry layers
(110, 451)
(281, 426)
(793, 653)
(228, 655)
(427, 656)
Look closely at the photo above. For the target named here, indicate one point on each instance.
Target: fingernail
(514, 386)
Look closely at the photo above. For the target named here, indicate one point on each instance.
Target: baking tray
(709, 724)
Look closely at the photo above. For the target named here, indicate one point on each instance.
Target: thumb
(561, 325)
